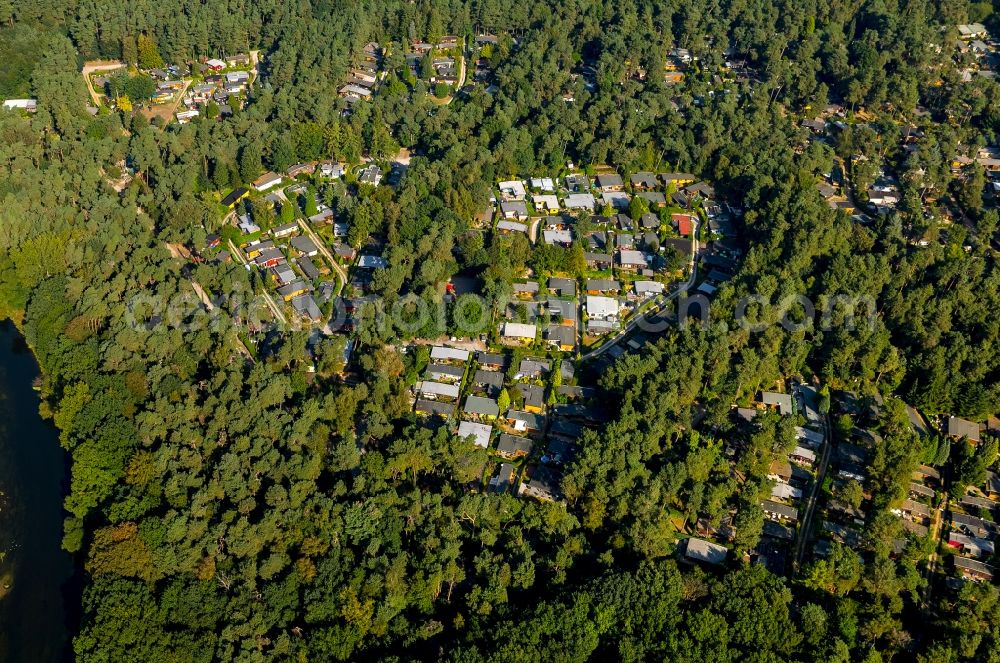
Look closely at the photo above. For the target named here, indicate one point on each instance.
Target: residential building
(480, 433)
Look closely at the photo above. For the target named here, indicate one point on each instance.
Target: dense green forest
(233, 510)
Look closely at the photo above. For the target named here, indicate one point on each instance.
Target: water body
(34, 570)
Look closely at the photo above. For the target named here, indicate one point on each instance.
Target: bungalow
(699, 550)
(326, 216)
(372, 262)
(973, 570)
(445, 372)
(563, 287)
(215, 64)
(971, 545)
(602, 308)
(645, 289)
(617, 199)
(959, 428)
(649, 221)
(700, 190)
(526, 288)
(352, 91)
(809, 437)
(344, 252)
(521, 420)
(547, 203)
(514, 209)
(561, 336)
(654, 198)
(308, 268)
(254, 249)
(293, 290)
(785, 491)
(183, 117)
(266, 181)
(598, 286)
(970, 31)
(584, 201)
(491, 381)
(780, 512)
(444, 353)
(597, 327)
(542, 483)
(286, 230)
(512, 189)
(562, 309)
(482, 407)
(780, 471)
(301, 169)
(504, 479)
(283, 274)
(532, 368)
(922, 491)
(370, 175)
(505, 226)
(27, 105)
(783, 402)
(543, 184)
(644, 181)
(609, 182)
(803, 456)
(305, 246)
(306, 306)
(518, 331)
(235, 196)
(533, 395)
(238, 60)
(480, 433)
(491, 361)
(562, 237)
(598, 260)
(438, 408)
(678, 179)
(269, 258)
(513, 447)
(632, 260)
(577, 183)
(682, 223)
(331, 170)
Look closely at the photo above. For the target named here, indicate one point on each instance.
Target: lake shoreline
(40, 585)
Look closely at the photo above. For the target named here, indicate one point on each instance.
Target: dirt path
(94, 66)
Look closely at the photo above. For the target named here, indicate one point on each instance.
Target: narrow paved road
(341, 272)
(275, 309)
(657, 307)
(805, 528)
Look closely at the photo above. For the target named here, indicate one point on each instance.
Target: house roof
(533, 395)
(531, 421)
(444, 353)
(308, 268)
(644, 179)
(306, 305)
(705, 551)
(563, 334)
(518, 207)
(481, 406)
(492, 359)
(782, 401)
(530, 367)
(512, 444)
(781, 510)
(963, 428)
(445, 369)
(632, 258)
(610, 179)
(304, 244)
(579, 201)
(491, 378)
(643, 288)
(435, 407)
(519, 330)
(293, 287)
(512, 226)
(564, 286)
(603, 285)
(480, 433)
(602, 307)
